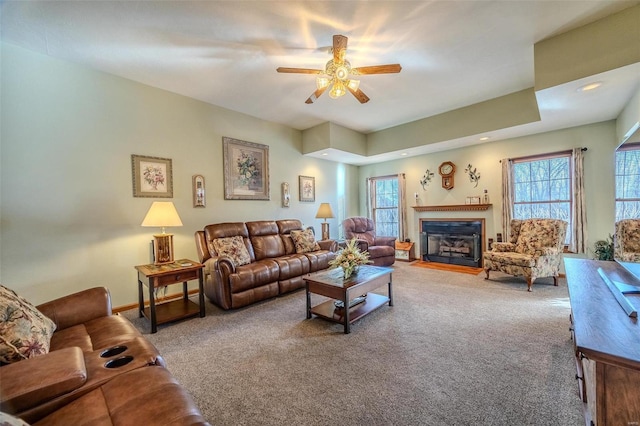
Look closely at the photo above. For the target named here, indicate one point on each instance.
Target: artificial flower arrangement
(350, 258)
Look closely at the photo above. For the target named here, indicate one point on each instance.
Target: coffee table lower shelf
(173, 311)
(328, 310)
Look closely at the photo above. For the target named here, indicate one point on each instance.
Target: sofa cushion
(234, 248)
(96, 334)
(24, 331)
(304, 241)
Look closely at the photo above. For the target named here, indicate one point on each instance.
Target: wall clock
(447, 170)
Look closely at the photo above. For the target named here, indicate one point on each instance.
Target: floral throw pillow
(304, 241)
(24, 331)
(234, 248)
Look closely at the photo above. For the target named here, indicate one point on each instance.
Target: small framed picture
(307, 188)
(246, 170)
(474, 200)
(152, 177)
(198, 191)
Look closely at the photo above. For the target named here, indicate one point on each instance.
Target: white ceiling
(453, 54)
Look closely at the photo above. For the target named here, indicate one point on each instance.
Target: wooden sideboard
(606, 342)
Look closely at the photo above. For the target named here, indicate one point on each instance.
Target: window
(542, 188)
(384, 205)
(628, 182)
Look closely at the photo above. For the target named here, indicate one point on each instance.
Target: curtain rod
(568, 151)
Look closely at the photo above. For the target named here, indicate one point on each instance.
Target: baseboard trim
(166, 298)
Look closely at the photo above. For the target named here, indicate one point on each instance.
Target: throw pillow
(24, 331)
(234, 248)
(304, 241)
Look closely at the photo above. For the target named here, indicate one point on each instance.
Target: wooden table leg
(345, 307)
(308, 301)
(140, 299)
(152, 309)
(390, 291)
(201, 293)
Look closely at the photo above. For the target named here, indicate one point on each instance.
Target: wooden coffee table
(331, 283)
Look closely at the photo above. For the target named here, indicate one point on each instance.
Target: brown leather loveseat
(253, 261)
(96, 366)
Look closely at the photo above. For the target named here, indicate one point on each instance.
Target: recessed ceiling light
(590, 86)
(404, 153)
(325, 153)
(485, 138)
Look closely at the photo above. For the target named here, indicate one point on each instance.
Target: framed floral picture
(246, 170)
(307, 188)
(152, 177)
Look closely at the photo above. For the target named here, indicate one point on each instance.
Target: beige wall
(68, 217)
(599, 180)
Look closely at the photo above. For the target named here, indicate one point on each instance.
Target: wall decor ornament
(474, 175)
(198, 191)
(152, 177)
(426, 179)
(246, 170)
(286, 195)
(307, 186)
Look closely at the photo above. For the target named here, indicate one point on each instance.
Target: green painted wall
(68, 217)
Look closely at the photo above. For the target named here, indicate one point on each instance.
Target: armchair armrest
(504, 247)
(385, 241)
(547, 251)
(34, 381)
(78, 308)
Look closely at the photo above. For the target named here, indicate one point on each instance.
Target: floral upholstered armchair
(534, 250)
(626, 241)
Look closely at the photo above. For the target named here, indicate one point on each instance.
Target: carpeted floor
(454, 349)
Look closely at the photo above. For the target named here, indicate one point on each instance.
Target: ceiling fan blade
(315, 95)
(359, 94)
(377, 69)
(339, 48)
(299, 70)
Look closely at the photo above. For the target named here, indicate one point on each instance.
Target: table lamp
(325, 212)
(162, 214)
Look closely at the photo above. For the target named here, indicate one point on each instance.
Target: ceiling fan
(337, 72)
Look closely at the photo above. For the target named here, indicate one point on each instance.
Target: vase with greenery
(350, 258)
(603, 249)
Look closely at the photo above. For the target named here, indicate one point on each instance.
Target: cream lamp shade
(162, 214)
(325, 212)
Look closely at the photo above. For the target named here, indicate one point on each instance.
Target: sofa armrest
(385, 241)
(330, 245)
(503, 247)
(78, 308)
(34, 381)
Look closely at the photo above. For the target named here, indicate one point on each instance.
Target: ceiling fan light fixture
(353, 84)
(342, 72)
(338, 89)
(323, 82)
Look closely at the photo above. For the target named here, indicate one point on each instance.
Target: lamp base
(162, 249)
(325, 230)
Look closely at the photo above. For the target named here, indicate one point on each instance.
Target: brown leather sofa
(274, 265)
(89, 349)
(382, 250)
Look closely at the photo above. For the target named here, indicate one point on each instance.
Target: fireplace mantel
(453, 208)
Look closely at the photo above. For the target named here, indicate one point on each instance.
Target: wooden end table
(331, 283)
(155, 276)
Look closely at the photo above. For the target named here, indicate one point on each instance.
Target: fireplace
(454, 241)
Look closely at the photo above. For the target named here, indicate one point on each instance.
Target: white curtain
(402, 207)
(507, 198)
(579, 209)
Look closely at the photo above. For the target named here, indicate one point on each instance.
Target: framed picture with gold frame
(152, 176)
(307, 185)
(246, 170)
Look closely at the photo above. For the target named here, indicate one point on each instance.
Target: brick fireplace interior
(452, 241)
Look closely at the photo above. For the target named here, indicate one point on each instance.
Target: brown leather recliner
(382, 250)
(90, 348)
